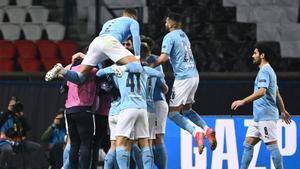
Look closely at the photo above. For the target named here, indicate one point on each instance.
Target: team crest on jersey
(164, 46)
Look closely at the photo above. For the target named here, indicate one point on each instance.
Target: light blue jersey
(122, 28)
(150, 93)
(158, 93)
(132, 86)
(177, 46)
(115, 107)
(265, 108)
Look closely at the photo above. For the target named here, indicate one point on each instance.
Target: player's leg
(252, 138)
(85, 127)
(110, 160)
(123, 133)
(93, 57)
(159, 150)
(142, 134)
(66, 154)
(123, 148)
(268, 130)
(178, 97)
(192, 86)
(137, 154)
(249, 144)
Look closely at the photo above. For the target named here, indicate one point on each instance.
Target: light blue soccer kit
(108, 45)
(133, 111)
(265, 114)
(177, 46)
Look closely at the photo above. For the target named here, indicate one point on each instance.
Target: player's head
(148, 40)
(173, 20)
(130, 12)
(145, 51)
(262, 52)
(128, 44)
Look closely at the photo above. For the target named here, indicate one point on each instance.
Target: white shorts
(112, 122)
(265, 130)
(134, 123)
(103, 48)
(152, 125)
(162, 109)
(183, 91)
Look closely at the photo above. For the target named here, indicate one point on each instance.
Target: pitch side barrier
(231, 130)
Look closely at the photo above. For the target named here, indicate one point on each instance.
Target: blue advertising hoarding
(231, 131)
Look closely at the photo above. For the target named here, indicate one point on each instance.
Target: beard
(256, 62)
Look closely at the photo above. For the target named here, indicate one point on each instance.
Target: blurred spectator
(54, 136)
(13, 138)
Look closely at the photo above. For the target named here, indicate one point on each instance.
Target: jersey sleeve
(136, 40)
(166, 46)
(107, 70)
(152, 72)
(263, 79)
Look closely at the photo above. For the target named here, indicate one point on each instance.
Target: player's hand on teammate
(286, 117)
(237, 104)
(77, 56)
(118, 70)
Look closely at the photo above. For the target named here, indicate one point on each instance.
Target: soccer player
(133, 112)
(265, 97)
(159, 105)
(176, 47)
(110, 158)
(108, 45)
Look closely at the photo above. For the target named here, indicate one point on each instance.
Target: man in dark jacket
(13, 134)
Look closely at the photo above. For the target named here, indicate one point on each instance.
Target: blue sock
(109, 160)
(74, 77)
(147, 157)
(195, 118)
(134, 67)
(66, 155)
(276, 156)
(182, 122)
(123, 157)
(160, 156)
(247, 156)
(137, 156)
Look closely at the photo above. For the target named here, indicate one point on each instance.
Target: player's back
(177, 45)
(158, 93)
(120, 28)
(132, 88)
(150, 94)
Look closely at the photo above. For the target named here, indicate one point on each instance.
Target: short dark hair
(130, 11)
(264, 48)
(177, 17)
(148, 40)
(60, 111)
(144, 50)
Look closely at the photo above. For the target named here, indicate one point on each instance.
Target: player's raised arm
(136, 40)
(152, 72)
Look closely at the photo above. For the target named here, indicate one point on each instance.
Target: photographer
(13, 134)
(54, 136)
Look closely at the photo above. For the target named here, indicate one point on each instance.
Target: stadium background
(222, 35)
